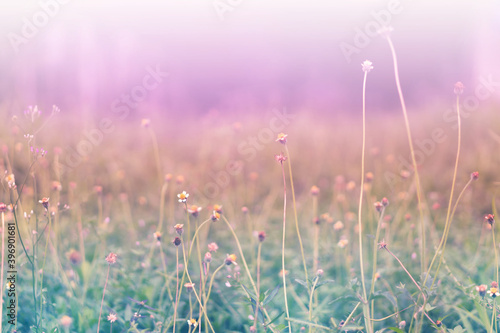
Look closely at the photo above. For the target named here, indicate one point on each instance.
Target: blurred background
(238, 56)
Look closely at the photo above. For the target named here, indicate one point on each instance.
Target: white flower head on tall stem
(183, 196)
(366, 66)
(385, 31)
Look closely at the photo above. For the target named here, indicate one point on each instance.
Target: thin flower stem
(441, 259)
(259, 250)
(316, 235)
(241, 253)
(102, 301)
(190, 308)
(377, 236)
(189, 253)
(162, 206)
(413, 159)
(394, 314)
(448, 213)
(352, 313)
(167, 285)
(412, 279)
(210, 288)
(201, 269)
(177, 286)
(188, 229)
(244, 262)
(295, 215)
(495, 249)
(43, 269)
(283, 248)
(156, 152)
(366, 309)
(311, 305)
(493, 316)
(194, 289)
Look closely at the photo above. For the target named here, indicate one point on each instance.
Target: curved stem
(189, 253)
(316, 279)
(162, 206)
(177, 287)
(295, 215)
(413, 280)
(413, 159)
(377, 235)
(366, 310)
(283, 248)
(210, 288)
(156, 152)
(244, 262)
(194, 289)
(102, 301)
(43, 270)
(259, 249)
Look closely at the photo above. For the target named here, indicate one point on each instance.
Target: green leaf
(387, 295)
(308, 323)
(321, 283)
(270, 297)
(352, 328)
(280, 327)
(481, 311)
(251, 294)
(347, 297)
(429, 307)
(260, 317)
(302, 282)
(272, 321)
(457, 329)
(395, 329)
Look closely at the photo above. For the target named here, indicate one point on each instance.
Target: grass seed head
(458, 89)
(366, 66)
(490, 218)
(213, 247)
(177, 241)
(481, 289)
(111, 258)
(282, 138)
(179, 229)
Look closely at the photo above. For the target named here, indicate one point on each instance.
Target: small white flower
(183, 196)
(366, 66)
(493, 292)
(385, 31)
(192, 322)
(228, 284)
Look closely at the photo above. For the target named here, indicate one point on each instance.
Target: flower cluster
(366, 66)
(111, 258)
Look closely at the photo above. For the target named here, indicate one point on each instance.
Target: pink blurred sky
(257, 55)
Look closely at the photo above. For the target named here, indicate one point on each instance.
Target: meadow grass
(129, 197)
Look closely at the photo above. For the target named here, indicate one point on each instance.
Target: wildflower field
(105, 243)
(146, 216)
